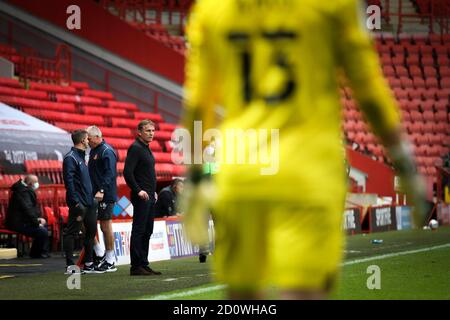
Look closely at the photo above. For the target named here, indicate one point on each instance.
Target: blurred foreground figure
(278, 200)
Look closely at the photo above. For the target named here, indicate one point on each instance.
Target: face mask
(35, 185)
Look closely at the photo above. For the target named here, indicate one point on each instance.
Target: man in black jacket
(24, 215)
(80, 200)
(166, 205)
(140, 176)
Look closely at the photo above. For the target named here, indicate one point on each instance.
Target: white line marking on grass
(185, 293)
(356, 261)
(394, 254)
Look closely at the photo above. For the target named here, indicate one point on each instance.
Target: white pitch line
(356, 261)
(185, 293)
(395, 254)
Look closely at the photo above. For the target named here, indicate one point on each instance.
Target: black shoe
(93, 268)
(73, 269)
(139, 272)
(202, 258)
(109, 267)
(151, 271)
(99, 260)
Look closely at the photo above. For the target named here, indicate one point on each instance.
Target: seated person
(24, 215)
(166, 205)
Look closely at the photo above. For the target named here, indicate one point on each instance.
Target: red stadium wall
(380, 176)
(107, 31)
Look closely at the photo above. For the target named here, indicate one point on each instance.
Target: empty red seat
(406, 82)
(179, 170)
(413, 60)
(162, 157)
(394, 83)
(422, 139)
(52, 88)
(416, 116)
(167, 126)
(125, 123)
(98, 94)
(429, 72)
(122, 105)
(426, 50)
(118, 143)
(419, 83)
(427, 105)
(444, 71)
(155, 146)
(427, 61)
(428, 127)
(120, 166)
(389, 71)
(122, 154)
(415, 71)
(13, 83)
(117, 132)
(79, 99)
(441, 128)
(79, 85)
(22, 93)
(441, 116)
(68, 126)
(106, 111)
(163, 135)
(401, 71)
(53, 116)
(441, 105)
(155, 117)
(428, 115)
(445, 82)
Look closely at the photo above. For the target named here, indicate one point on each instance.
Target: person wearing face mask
(80, 200)
(24, 216)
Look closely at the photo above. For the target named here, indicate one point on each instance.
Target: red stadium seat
(162, 157)
(106, 111)
(117, 132)
(428, 116)
(98, 94)
(122, 105)
(155, 117)
(167, 126)
(163, 135)
(125, 123)
(415, 71)
(13, 83)
(52, 88)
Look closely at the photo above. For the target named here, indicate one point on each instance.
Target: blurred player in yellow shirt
(275, 65)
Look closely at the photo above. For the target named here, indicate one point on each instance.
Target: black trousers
(77, 217)
(40, 239)
(141, 231)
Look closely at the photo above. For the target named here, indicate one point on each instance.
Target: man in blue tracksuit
(102, 170)
(80, 200)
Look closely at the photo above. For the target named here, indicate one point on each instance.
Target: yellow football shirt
(273, 66)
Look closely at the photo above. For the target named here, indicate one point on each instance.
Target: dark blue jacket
(103, 171)
(76, 179)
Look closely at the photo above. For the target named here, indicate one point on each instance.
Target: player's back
(274, 67)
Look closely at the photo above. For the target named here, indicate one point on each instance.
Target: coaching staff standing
(80, 200)
(140, 177)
